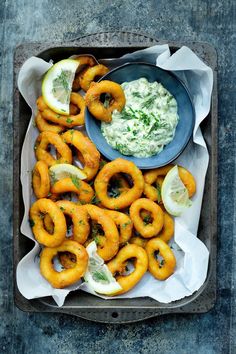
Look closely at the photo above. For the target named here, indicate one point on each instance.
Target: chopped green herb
(149, 102)
(69, 120)
(97, 230)
(114, 192)
(123, 226)
(97, 240)
(61, 81)
(161, 263)
(158, 188)
(137, 94)
(143, 117)
(75, 180)
(95, 200)
(155, 126)
(119, 147)
(102, 163)
(62, 209)
(147, 219)
(127, 113)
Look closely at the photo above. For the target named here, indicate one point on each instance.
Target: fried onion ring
(167, 231)
(41, 180)
(160, 270)
(117, 185)
(125, 199)
(41, 153)
(44, 126)
(89, 75)
(150, 229)
(83, 190)
(48, 224)
(151, 177)
(83, 61)
(89, 152)
(120, 182)
(68, 276)
(110, 245)
(37, 211)
(67, 259)
(81, 228)
(79, 219)
(139, 241)
(123, 223)
(67, 121)
(118, 265)
(96, 107)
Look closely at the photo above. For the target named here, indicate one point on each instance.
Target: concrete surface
(50, 20)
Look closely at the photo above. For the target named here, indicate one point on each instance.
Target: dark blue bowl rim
(191, 102)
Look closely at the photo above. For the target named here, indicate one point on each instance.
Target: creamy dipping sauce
(146, 124)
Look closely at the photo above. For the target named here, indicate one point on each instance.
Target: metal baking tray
(78, 303)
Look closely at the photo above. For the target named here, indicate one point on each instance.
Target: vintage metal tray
(110, 45)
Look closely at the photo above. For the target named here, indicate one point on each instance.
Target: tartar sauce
(146, 124)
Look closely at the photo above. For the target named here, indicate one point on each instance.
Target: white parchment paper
(191, 254)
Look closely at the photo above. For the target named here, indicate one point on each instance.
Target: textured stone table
(44, 20)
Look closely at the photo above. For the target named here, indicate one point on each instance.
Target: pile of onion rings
(117, 205)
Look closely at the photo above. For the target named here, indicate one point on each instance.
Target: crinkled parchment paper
(191, 254)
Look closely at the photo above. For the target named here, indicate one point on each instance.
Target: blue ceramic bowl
(184, 129)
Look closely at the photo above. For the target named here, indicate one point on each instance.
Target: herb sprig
(100, 277)
(149, 102)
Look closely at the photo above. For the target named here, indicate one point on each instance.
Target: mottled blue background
(48, 20)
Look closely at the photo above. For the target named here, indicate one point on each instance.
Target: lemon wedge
(98, 276)
(174, 193)
(64, 170)
(57, 85)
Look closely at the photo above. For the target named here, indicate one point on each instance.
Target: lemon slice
(57, 85)
(174, 193)
(98, 276)
(64, 170)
